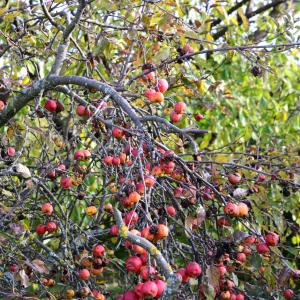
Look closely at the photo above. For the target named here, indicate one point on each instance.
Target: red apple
(241, 257)
(79, 155)
(2, 105)
(114, 230)
(162, 85)
(272, 239)
(80, 110)
(98, 251)
(175, 117)
(198, 117)
(51, 227)
(10, 151)
(84, 274)
(231, 209)
(171, 211)
(182, 273)
(138, 290)
(116, 161)
(262, 248)
(51, 105)
(144, 272)
(149, 181)
(47, 209)
(13, 268)
(66, 182)
(161, 285)
(133, 264)
(129, 295)
(180, 107)
(131, 217)
(261, 178)
(240, 296)
(187, 49)
(108, 160)
(234, 178)
(118, 133)
(149, 289)
(41, 229)
(288, 294)
(193, 270)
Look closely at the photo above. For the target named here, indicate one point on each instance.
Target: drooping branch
(173, 280)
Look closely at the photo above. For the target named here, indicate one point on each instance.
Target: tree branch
(249, 15)
(53, 81)
(63, 46)
(205, 51)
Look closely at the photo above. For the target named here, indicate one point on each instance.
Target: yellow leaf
(11, 16)
(2, 11)
(244, 19)
(26, 80)
(234, 21)
(138, 103)
(179, 9)
(221, 158)
(200, 86)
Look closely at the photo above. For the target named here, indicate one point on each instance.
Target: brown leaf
(22, 276)
(189, 222)
(213, 276)
(39, 266)
(284, 275)
(200, 215)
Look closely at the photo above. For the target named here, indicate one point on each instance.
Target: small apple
(47, 209)
(118, 133)
(262, 248)
(133, 264)
(98, 251)
(10, 151)
(162, 85)
(2, 105)
(234, 178)
(171, 211)
(198, 117)
(66, 182)
(175, 117)
(51, 227)
(51, 105)
(41, 229)
(193, 270)
(149, 289)
(272, 239)
(84, 274)
(180, 107)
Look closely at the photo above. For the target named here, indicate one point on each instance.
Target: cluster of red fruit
(66, 182)
(177, 113)
(156, 95)
(271, 239)
(150, 287)
(84, 111)
(192, 270)
(93, 265)
(51, 226)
